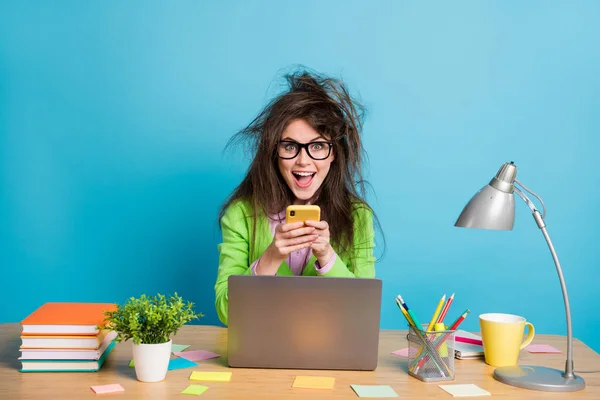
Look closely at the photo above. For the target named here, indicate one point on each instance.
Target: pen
(411, 314)
(445, 309)
(436, 313)
(410, 321)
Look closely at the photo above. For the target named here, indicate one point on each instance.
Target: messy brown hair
(327, 106)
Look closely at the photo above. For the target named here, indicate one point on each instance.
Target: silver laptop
(303, 322)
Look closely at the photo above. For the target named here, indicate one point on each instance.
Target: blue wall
(113, 119)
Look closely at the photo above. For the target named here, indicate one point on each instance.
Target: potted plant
(149, 321)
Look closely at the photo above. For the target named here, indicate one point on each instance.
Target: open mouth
(303, 179)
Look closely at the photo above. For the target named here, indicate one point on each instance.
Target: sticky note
(374, 391)
(541, 348)
(131, 364)
(468, 390)
(179, 347)
(211, 376)
(196, 355)
(401, 352)
(115, 387)
(313, 382)
(196, 390)
(179, 363)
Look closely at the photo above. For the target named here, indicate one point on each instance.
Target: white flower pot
(151, 361)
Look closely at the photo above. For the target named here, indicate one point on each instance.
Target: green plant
(149, 319)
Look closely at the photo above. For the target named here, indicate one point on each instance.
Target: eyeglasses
(288, 149)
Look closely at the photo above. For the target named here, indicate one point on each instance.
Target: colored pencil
(445, 309)
(436, 313)
(459, 320)
(468, 340)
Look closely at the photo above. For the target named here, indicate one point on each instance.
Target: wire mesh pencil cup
(431, 354)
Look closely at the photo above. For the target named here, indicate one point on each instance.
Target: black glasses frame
(305, 147)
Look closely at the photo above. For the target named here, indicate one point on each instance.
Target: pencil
(459, 320)
(436, 313)
(445, 309)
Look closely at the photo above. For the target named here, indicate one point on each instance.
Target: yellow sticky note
(211, 376)
(196, 390)
(469, 390)
(314, 382)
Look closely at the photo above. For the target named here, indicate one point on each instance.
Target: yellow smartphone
(298, 213)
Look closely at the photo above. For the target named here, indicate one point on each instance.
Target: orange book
(66, 319)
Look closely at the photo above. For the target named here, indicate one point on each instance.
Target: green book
(66, 365)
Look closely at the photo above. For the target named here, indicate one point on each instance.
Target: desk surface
(271, 383)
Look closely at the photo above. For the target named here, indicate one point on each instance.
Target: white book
(65, 342)
(66, 365)
(68, 354)
(465, 351)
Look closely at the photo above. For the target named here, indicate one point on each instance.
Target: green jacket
(236, 256)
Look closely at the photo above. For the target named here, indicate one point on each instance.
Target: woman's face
(303, 174)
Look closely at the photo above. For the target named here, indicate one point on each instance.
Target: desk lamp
(493, 207)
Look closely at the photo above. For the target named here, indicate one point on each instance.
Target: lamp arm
(569, 363)
(539, 219)
(535, 195)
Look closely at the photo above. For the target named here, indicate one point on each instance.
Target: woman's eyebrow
(316, 138)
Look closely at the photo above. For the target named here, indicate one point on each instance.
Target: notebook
(66, 319)
(465, 351)
(66, 365)
(67, 354)
(66, 342)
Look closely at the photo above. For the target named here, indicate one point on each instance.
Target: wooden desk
(270, 383)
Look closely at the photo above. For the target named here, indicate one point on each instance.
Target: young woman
(307, 150)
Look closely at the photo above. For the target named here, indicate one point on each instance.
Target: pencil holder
(431, 354)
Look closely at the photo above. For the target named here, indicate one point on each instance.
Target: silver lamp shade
(493, 207)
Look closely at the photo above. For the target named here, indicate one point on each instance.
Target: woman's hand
(321, 247)
(288, 238)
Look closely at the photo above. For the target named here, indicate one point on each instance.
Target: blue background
(114, 117)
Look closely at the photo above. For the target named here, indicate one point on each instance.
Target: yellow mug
(502, 336)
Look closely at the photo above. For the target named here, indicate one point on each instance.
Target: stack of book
(64, 337)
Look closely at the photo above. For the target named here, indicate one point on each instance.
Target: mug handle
(530, 335)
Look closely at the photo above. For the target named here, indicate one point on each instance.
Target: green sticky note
(196, 390)
(178, 347)
(374, 391)
(131, 364)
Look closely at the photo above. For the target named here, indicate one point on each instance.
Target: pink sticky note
(196, 355)
(107, 388)
(541, 348)
(401, 352)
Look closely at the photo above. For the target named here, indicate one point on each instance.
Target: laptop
(303, 322)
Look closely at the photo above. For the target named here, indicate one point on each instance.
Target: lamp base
(538, 378)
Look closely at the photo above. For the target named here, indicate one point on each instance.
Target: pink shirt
(297, 260)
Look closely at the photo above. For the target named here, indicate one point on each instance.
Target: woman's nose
(303, 157)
